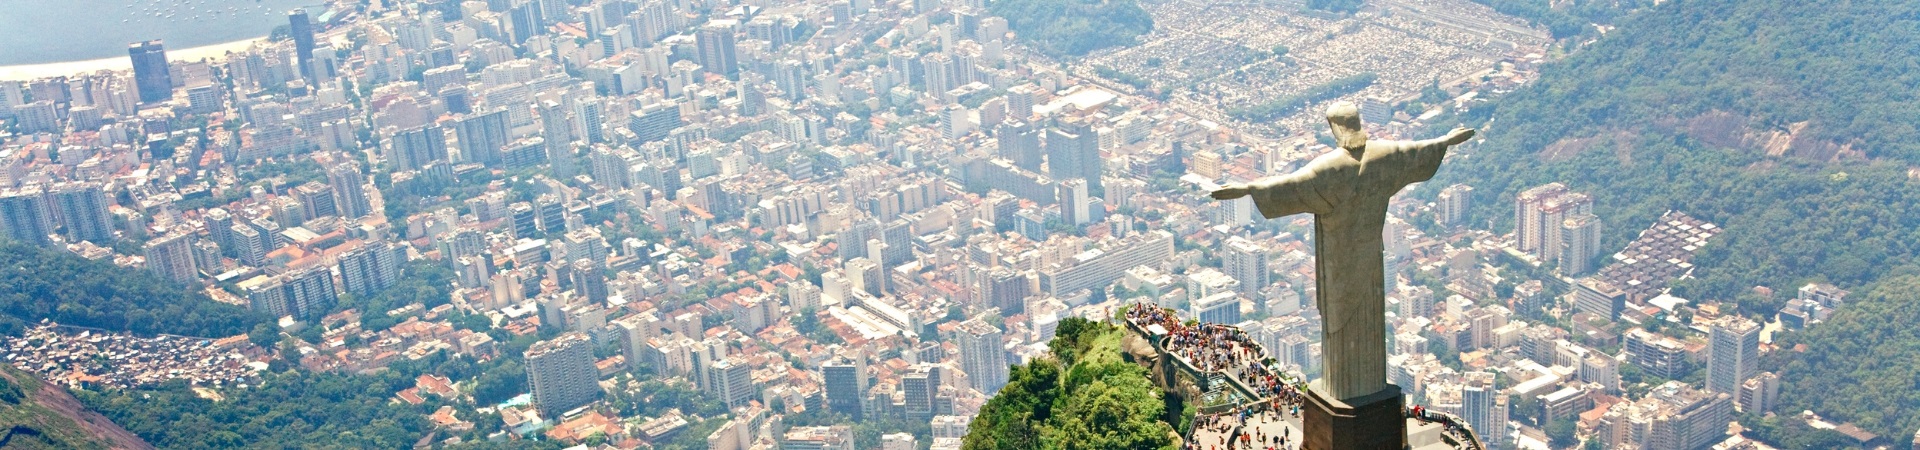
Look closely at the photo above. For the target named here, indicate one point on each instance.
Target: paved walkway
(1257, 431)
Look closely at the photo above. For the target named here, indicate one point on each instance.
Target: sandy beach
(69, 68)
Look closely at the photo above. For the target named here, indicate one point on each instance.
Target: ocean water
(49, 31)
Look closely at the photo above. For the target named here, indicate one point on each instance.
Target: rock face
(37, 414)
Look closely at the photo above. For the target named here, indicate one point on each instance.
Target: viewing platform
(1241, 399)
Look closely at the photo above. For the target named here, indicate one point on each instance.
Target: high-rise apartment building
(482, 136)
(715, 43)
(1598, 297)
(1484, 408)
(1219, 307)
(1554, 212)
(561, 374)
(150, 74)
(1019, 142)
(171, 257)
(1734, 353)
(1008, 290)
(1758, 394)
(1073, 151)
(316, 200)
(349, 191)
(1097, 269)
(1655, 354)
(654, 122)
(26, 215)
(732, 382)
(371, 268)
(1453, 204)
(527, 20)
(1074, 202)
(302, 293)
(416, 147)
(1671, 416)
(918, 389)
(1529, 225)
(300, 28)
(1246, 261)
(82, 210)
(589, 281)
(1580, 244)
(982, 355)
(250, 245)
(846, 387)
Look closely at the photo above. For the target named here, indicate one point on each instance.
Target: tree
(499, 383)
(1560, 434)
(264, 335)
(1007, 421)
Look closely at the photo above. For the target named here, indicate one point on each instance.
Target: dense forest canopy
(1846, 70)
(38, 283)
(1061, 28)
(1864, 364)
(1674, 110)
(1790, 125)
(300, 409)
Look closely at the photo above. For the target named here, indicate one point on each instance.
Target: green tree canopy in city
(38, 283)
(1074, 27)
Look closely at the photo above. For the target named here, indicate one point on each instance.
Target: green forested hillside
(1678, 108)
(1793, 125)
(1086, 397)
(1864, 365)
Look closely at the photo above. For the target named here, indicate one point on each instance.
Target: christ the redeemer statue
(1347, 191)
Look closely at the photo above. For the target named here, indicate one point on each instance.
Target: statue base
(1376, 421)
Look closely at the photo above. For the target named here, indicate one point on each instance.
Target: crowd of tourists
(1229, 350)
(1220, 348)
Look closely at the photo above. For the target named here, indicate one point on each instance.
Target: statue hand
(1459, 135)
(1231, 191)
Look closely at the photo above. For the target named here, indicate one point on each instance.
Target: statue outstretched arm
(1277, 196)
(1437, 147)
(1416, 161)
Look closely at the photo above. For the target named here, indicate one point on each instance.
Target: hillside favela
(960, 224)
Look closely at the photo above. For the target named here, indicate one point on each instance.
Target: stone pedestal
(1373, 422)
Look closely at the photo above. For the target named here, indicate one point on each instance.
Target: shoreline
(28, 72)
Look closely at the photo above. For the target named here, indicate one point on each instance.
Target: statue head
(1347, 131)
